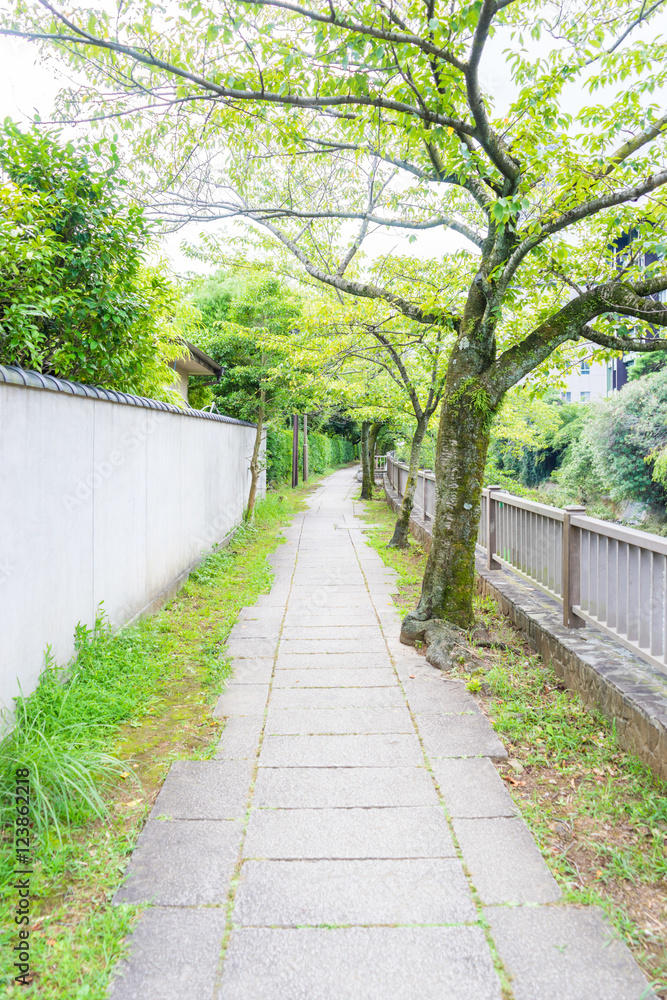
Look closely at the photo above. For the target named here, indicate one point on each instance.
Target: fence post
(305, 448)
(295, 450)
(491, 527)
(571, 568)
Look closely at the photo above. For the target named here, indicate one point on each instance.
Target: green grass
(597, 812)
(99, 737)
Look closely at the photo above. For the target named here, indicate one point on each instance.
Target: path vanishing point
(352, 839)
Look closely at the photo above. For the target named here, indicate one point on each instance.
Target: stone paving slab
(405, 891)
(240, 738)
(173, 954)
(383, 750)
(409, 832)
(182, 863)
(255, 671)
(306, 696)
(431, 694)
(274, 601)
(254, 614)
(338, 677)
(204, 789)
(504, 861)
(257, 630)
(329, 647)
(411, 668)
(243, 699)
(472, 787)
(564, 953)
(290, 659)
(373, 963)
(251, 647)
(329, 631)
(330, 597)
(341, 721)
(345, 617)
(319, 788)
(459, 736)
(333, 577)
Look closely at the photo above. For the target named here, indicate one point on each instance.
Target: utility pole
(305, 448)
(295, 450)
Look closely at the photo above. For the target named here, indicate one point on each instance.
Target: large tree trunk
(254, 461)
(399, 539)
(367, 477)
(372, 441)
(463, 441)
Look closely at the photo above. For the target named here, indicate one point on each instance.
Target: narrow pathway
(352, 840)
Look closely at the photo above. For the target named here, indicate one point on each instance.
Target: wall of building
(102, 501)
(585, 385)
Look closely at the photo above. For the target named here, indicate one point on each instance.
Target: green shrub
(613, 455)
(324, 452)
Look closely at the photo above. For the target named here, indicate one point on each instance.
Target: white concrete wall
(102, 501)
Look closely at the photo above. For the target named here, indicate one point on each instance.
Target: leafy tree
(77, 299)
(622, 441)
(412, 359)
(303, 119)
(246, 323)
(523, 433)
(647, 364)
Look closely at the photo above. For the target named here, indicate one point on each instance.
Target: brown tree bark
(367, 476)
(254, 461)
(448, 585)
(469, 403)
(375, 429)
(400, 538)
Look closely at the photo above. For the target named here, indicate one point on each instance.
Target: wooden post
(571, 568)
(305, 448)
(492, 527)
(295, 450)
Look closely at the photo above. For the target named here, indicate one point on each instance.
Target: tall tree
(342, 111)
(413, 358)
(246, 324)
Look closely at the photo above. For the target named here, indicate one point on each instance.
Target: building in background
(589, 380)
(194, 362)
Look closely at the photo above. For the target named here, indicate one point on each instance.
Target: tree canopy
(323, 123)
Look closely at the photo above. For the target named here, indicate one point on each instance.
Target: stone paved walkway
(352, 840)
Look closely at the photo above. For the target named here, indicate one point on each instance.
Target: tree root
(447, 645)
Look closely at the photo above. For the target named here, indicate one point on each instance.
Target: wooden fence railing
(603, 574)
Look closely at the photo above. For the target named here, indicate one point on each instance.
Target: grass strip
(597, 812)
(99, 737)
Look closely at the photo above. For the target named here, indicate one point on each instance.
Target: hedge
(323, 453)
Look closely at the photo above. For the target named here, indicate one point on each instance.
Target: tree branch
(364, 29)
(571, 323)
(583, 211)
(632, 145)
(625, 344)
(232, 94)
(362, 289)
(506, 164)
